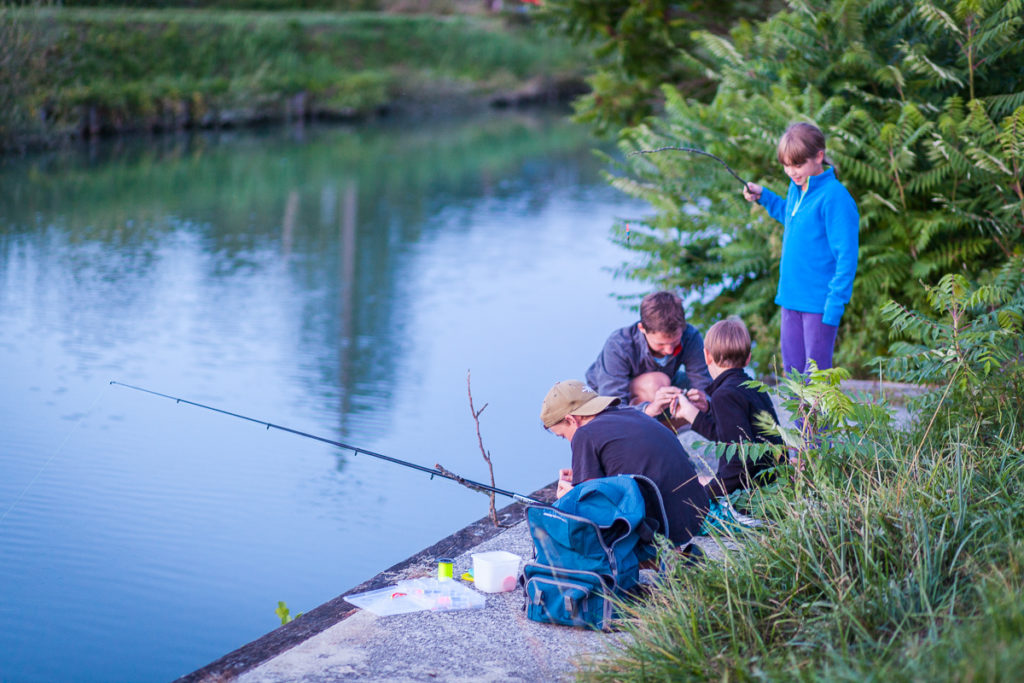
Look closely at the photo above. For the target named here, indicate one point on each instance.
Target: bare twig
(693, 150)
(483, 451)
(465, 482)
(487, 458)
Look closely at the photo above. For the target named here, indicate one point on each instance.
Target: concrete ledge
(334, 611)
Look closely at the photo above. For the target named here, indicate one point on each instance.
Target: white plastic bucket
(496, 571)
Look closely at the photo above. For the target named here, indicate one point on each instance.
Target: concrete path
(496, 643)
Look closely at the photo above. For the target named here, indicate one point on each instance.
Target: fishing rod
(440, 472)
(694, 150)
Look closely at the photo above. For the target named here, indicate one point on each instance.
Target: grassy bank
(94, 71)
(895, 554)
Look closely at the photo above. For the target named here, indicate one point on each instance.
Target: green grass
(897, 554)
(156, 68)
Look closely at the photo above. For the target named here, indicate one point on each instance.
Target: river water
(340, 281)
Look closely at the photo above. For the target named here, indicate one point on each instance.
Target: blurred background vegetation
(74, 70)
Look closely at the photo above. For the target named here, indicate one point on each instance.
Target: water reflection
(342, 284)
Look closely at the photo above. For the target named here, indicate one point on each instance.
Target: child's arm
(726, 419)
(775, 204)
(731, 418)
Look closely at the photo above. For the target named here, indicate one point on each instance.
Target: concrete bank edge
(336, 610)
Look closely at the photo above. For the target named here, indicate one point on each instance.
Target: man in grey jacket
(647, 364)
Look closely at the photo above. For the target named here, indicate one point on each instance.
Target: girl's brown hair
(800, 142)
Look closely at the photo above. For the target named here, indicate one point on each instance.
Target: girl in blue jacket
(819, 247)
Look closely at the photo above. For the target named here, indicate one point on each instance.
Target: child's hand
(698, 398)
(564, 482)
(663, 400)
(685, 410)
(752, 192)
(563, 488)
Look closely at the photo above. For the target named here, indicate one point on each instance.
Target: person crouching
(607, 439)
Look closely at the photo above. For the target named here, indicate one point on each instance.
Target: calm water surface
(342, 282)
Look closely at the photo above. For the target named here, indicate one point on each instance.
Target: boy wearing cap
(729, 412)
(608, 439)
(643, 364)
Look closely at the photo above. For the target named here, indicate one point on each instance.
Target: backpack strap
(570, 605)
(646, 529)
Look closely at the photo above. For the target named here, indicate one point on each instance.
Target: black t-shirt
(623, 440)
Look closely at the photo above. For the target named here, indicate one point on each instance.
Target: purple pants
(805, 338)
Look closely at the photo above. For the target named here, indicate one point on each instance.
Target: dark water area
(338, 280)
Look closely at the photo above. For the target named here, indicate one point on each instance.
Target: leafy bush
(923, 106)
(637, 49)
(972, 342)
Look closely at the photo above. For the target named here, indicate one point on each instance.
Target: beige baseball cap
(572, 397)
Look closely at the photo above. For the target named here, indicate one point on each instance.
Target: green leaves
(284, 614)
(922, 104)
(970, 341)
(638, 47)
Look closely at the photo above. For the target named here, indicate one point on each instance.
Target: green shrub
(923, 106)
(637, 49)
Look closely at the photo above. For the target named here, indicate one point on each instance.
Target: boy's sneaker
(722, 516)
(739, 517)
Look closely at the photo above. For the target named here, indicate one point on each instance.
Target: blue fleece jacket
(819, 246)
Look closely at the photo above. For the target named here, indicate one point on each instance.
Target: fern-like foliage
(922, 103)
(640, 45)
(970, 338)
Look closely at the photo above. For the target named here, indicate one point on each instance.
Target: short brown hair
(662, 312)
(800, 142)
(728, 343)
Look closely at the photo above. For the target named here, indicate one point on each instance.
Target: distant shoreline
(97, 73)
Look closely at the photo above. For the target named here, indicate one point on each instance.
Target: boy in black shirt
(728, 414)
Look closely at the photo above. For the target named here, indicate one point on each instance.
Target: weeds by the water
(898, 556)
(95, 70)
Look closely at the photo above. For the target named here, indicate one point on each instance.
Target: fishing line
(469, 483)
(693, 150)
(60, 448)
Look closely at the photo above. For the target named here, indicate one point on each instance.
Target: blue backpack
(589, 547)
